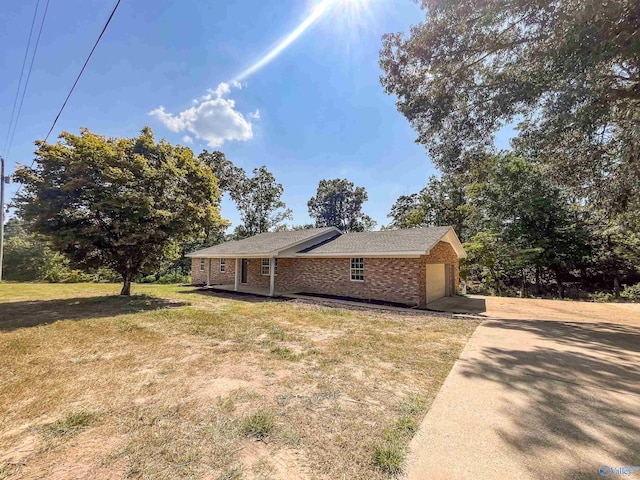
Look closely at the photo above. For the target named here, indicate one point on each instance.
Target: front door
(245, 268)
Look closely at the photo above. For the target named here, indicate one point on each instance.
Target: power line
(26, 83)
(82, 70)
(24, 62)
(104, 29)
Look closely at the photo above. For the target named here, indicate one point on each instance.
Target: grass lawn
(173, 383)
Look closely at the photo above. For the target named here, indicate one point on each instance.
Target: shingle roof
(264, 243)
(386, 241)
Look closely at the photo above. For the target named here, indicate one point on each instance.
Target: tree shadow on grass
(24, 314)
(579, 391)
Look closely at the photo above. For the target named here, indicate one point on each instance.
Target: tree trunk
(496, 282)
(560, 285)
(538, 285)
(616, 285)
(126, 288)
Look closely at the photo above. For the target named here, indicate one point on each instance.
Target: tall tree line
(565, 75)
(93, 206)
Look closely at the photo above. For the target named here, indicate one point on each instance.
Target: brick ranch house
(412, 266)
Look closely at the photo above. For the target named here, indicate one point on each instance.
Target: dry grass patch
(172, 383)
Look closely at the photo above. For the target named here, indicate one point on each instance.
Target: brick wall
(215, 278)
(254, 275)
(443, 252)
(390, 279)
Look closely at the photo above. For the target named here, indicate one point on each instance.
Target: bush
(75, 276)
(602, 297)
(174, 278)
(631, 293)
(168, 278)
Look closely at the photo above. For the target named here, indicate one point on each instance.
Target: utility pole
(2, 180)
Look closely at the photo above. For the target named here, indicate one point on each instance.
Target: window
(202, 264)
(223, 265)
(265, 267)
(357, 269)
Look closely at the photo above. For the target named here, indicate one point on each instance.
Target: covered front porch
(256, 275)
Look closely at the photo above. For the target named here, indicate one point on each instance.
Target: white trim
(268, 265)
(263, 265)
(235, 255)
(320, 255)
(272, 276)
(357, 271)
(452, 239)
(223, 265)
(359, 255)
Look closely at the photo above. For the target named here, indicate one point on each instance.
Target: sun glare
(348, 14)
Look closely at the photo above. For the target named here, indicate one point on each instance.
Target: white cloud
(187, 139)
(212, 118)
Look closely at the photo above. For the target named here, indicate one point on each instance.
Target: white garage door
(436, 281)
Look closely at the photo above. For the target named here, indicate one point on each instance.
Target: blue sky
(316, 111)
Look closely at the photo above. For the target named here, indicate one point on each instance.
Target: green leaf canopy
(124, 203)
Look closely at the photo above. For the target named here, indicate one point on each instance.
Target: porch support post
(272, 276)
(237, 276)
(209, 273)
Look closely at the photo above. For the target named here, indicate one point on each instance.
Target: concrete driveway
(538, 399)
(531, 308)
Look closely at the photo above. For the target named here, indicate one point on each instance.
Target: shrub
(174, 278)
(166, 279)
(75, 276)
(601, 297)
(631, 293)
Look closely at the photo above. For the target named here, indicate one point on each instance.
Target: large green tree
(338, 203)
(123, 203)
(441, 203)
(564, 73)
(230, 177)
(531, 215)
(258, 198)
(259, 201)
